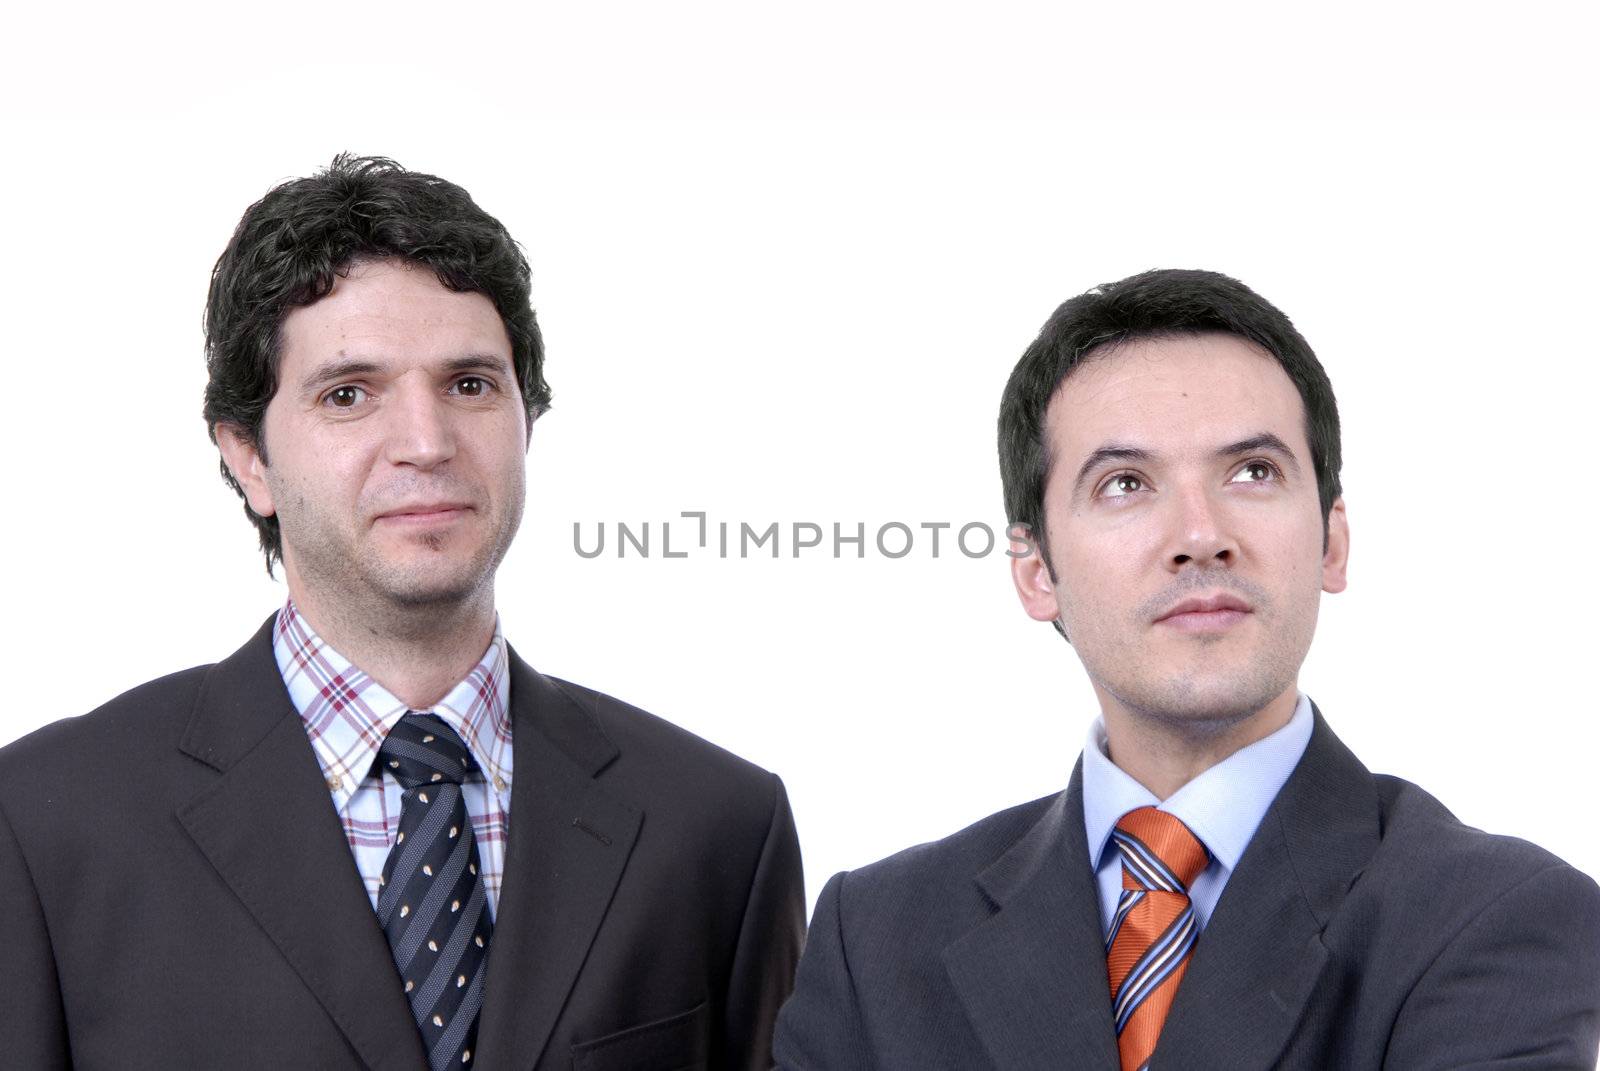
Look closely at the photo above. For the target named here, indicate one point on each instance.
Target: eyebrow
(1108, 452)
(344, 368)
(1262, 442)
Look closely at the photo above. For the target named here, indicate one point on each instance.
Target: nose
(1199, 532)
(420, 432)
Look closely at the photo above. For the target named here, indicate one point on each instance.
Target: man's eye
(1122, 484)
(344, 397)
(473, 386)
(1256, 472)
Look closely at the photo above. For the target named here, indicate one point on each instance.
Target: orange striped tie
(1154, 928)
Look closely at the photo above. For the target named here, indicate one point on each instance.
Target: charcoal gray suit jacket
(176, 891)
(1363, 928)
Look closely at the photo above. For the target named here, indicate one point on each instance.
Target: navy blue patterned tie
(431, 903)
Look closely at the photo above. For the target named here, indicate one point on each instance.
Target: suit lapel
(269, 828)
(1259, 958)
(1032, 977)
(569, 841)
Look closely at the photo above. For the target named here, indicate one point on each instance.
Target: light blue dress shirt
(1222, 807)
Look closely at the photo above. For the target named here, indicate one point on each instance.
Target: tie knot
(421, 750)
(1158, 851)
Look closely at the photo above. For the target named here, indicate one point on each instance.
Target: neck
(417, 653)
(1165, 753)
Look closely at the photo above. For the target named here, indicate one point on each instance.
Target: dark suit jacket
(1363, 928)
(176, 892)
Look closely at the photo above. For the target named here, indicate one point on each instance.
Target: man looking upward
(1222, 884)
(374, 836)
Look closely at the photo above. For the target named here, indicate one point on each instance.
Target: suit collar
(562, 714)
(1258, 961)
(240, 701)
(1032, 976)
(268, 826)
(1223, 806)
(1329, 817)
(348, 713)
(569, 842)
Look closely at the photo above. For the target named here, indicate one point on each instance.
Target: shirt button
(499, 783)
(335, 782)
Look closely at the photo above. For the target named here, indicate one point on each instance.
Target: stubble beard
(402, 599)
(1192, 707)
(1198, 702)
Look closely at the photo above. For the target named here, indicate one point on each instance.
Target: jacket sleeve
(770, 936)
(1517, 987)
(35, 1033)
(820, 1028)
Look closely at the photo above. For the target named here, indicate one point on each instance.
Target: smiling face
(393, 451)
(1181, 479)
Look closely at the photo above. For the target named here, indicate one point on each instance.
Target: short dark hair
(1154, 304)
(292, 245)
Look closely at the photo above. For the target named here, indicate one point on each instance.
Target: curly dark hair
(291, 246)
(1154, 304)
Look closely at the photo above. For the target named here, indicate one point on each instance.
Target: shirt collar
(1223, 806)
(348, 715)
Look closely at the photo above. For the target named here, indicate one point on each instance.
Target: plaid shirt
(348, 715)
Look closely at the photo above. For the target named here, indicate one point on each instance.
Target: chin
(433, 596)
(433, 587)
(1202, 704)
(1228, 702)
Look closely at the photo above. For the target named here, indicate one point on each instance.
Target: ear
(1031, 575)
(244, 460)
(1337, 556)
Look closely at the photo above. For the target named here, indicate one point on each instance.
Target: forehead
(390, 310)
(1173, 396)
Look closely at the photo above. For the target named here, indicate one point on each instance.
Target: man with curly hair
(374, 836)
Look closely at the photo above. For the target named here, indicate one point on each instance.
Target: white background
(784, 260)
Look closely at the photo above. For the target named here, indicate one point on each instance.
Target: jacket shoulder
(1433, 877)
(1437, 845)
(151, 715)
(1466, 942)
(962, 853)
(652, 748)
(935, 882)
(80, 775)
